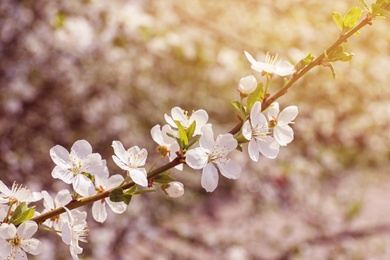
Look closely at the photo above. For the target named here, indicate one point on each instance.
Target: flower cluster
(186, 138)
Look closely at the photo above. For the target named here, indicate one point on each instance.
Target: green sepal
(183, 139)
(257, 95)
(194, 141)
(338, 19)
(304, 62)
(164, 178)
(241, 139)
(22, 213)
(352, 17)
(239, 148)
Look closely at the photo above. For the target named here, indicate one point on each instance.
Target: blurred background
(109, 70)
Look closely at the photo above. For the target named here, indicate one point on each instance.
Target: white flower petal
(253, 150)
(60, 156)
(62, 198)
(201, 117)
(207, 139)
(117, 207)
(283, 134)
(99, 211)
(83, 186)
(120, 163)
(269, 148)
(27, 229)
(210, 177)
(178, 114)
(273, 111)
(120, 151)
(32, 246)
(139, 176)
(81, 148)
(255, 110)
(196, 158)
(247, 130)
(249, 57)
(284, 68)
(231, 170)
(48, 201)
(63, 174)
(7, 231)
(66, 233)
(156, 134)
(288, 114)
(225, 143)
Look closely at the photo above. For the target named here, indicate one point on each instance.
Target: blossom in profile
(211, 156)
(256, 131)
(282, 132)
(271, 65)
(15, 242)
(73, 231)
(17, 194)
(130, 160)
(177, 114)
(72, 166)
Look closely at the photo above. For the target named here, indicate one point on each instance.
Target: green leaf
(116, 195)
(127, 199)
(338, 19)
(304, 62)
(191, 130)
(21, 214)
(182, 135)
(131, 190)
(164, 178)
(257, 95)
(352, 17)
(26, 215)
(237, 105)
(339, 54)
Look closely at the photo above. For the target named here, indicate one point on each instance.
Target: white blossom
(73, 231)
(271, 65)
(211, 156)
(282, 132)
(15, 242)
(71, 166)
(17, 194)
(199, 116)
(130, 160)
(256, 131)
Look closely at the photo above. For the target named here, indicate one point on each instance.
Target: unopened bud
(247, 85)
(174, 189)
